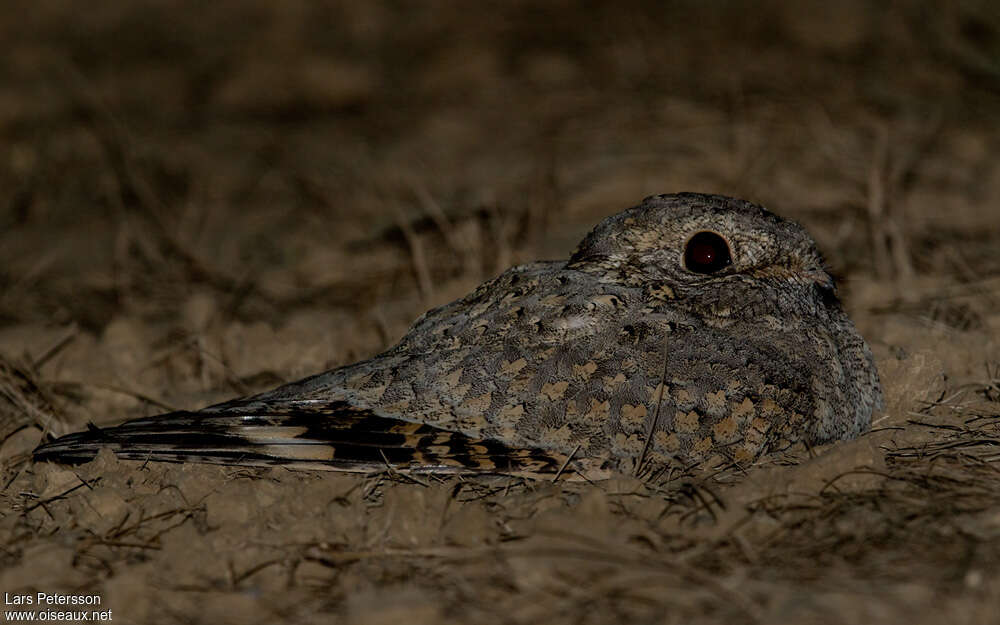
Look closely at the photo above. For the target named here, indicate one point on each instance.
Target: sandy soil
(201, 203)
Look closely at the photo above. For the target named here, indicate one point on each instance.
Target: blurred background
(183, 182)
(154, 141)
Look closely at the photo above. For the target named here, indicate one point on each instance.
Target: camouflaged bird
(689, 329)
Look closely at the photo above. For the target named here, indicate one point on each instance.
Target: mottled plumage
(690, 328)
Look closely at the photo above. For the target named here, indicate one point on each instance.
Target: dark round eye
(706, 252)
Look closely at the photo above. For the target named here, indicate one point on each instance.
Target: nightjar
(689, 330)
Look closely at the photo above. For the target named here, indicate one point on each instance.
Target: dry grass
(203, 202)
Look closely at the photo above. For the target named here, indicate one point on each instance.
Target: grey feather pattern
(621, 356)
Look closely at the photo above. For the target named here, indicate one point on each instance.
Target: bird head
(707, 249)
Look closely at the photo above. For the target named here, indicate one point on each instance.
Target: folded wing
(334, 436)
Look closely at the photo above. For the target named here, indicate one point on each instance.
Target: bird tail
(334, 436)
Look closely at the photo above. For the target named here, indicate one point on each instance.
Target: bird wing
(419, 421)
(334, 436)
(545, 357)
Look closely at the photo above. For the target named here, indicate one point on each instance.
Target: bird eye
(706, 252)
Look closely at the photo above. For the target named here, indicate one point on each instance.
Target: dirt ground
(198, 202)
